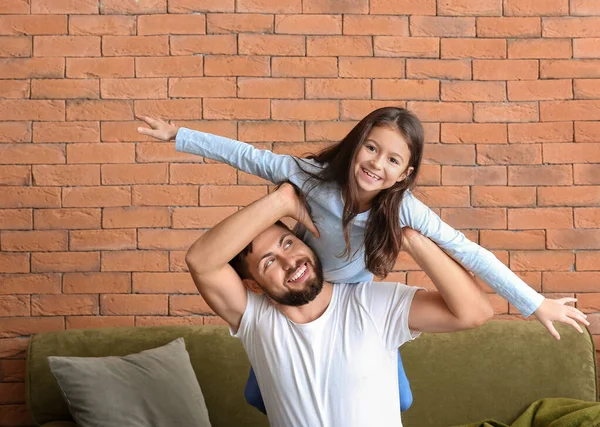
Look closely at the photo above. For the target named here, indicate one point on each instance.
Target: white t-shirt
(338, 370)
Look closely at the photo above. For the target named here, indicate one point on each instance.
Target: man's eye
(288, 244)
(268, 263)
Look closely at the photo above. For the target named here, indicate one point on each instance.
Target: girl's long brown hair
(383, 236)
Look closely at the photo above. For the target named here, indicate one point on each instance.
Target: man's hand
(296, 207)
(555, 310)
(160, 129)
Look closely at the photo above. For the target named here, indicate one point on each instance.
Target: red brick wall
(95, 218)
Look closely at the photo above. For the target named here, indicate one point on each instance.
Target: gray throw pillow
(156, 387)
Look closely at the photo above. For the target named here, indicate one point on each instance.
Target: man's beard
(312, 287)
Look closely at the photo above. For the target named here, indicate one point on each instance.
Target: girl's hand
(160, 129)
(555, 310)
(296, 207)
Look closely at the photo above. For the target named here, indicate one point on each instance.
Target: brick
(99, 67)
(60, 305)
(168, 283)
(213, 320)
(87, 240)
(573, 239)
(205, 217)
(304, 110)
(66, 46)
(14, 89)
(220, 23)
(509, 27)
(170, 109)
(298, 149)
(586, 89)
(587, 260)
(257, 87)
(508, 154)
(65, 88)
(16, 219)
(66, 175)
(22, 68)
(15, 175)
(237, 66)
(15, 46)
(230, 195)
(12, 370)
(177, 261)
(572, 153)
(26, 241)
(135, 45)
(102, 25)
(473, 133)
(87, 322)
(209, 45)
(328, 131)
(185, 305)
(573, 68)
(540, 175)
(171, 24)
(357, 109)
(370, 25)
(244, 109)
(541, 260)
(405, 89)
(134, 7)
(587, 131)
(571, 27)
(169, 320)
(477, 175)
(569, 196)
(283, 6)
(134, 217)
(467, 218)
(32, 154)
(201, 87)
(586, 174)
(570, 281)
(69, 219)
(14, 305)
(459, 48)
(15, 7)
(446, 69)
(66, 132)
(135, 261)
(249, 179)
(167, 239)
(276, 45)
(432, 132)
(403, 7)
(96, 197)
(338, 88)
(540, 132)
(503, 196)
(335, 6)
(98, 110)
(62, 262)
(15, 132)
(515, 69)
(162, 152)
(202, 174)
(588, 303)
(14, 263)
(32, 110)
(539, 48)
(304, 67)
(506, 112)
(14, 347)
(540, 90)
(519, 240)
(96, 283)
(63, 6)
(122, 132)
(133, 304)
(413, 47)
(269, 132)
(185, 6)
(443, 196)
(449, 154)
(371, 67)
(14, 327)
(135, 174)
(309, 24)
(100, 153)
(469, 8)
(442, 26)
(584, 7)
(536, 8)
(587, 217)
(139, 88)
(27, 283)
(473, 91)
(172, 195)
(339, 46)
(29, 197)
(32, 25)
(445, 112)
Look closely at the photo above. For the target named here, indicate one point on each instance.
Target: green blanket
(554, 412)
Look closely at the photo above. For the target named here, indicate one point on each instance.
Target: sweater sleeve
(263, 163)
(415, 214)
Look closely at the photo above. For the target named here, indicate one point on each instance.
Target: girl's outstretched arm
(415, 214)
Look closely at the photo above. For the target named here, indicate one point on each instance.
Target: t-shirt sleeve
(388, 305)
(248, 318)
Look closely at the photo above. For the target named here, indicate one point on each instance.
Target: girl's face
(381, 161)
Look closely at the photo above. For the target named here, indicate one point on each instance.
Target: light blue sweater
(327, 207)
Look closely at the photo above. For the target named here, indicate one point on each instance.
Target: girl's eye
(370, 148)
(393, 160)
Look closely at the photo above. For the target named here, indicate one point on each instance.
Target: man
(324, 355)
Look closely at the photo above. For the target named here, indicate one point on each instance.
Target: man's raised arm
(208, 258)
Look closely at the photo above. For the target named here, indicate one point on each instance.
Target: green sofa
(493, 372)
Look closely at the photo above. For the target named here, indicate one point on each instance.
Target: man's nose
(287, 262)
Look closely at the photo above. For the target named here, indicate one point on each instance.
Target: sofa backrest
(495, 371)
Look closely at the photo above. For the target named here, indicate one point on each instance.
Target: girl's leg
(252, 393)
(406, 398)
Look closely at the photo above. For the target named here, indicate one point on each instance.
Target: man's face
(285, 268)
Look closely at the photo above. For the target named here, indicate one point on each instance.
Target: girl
(364, 182)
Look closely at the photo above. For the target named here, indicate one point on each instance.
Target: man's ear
(252, 286)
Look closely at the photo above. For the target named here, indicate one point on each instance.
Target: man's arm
(459, 302)
(208, 258)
